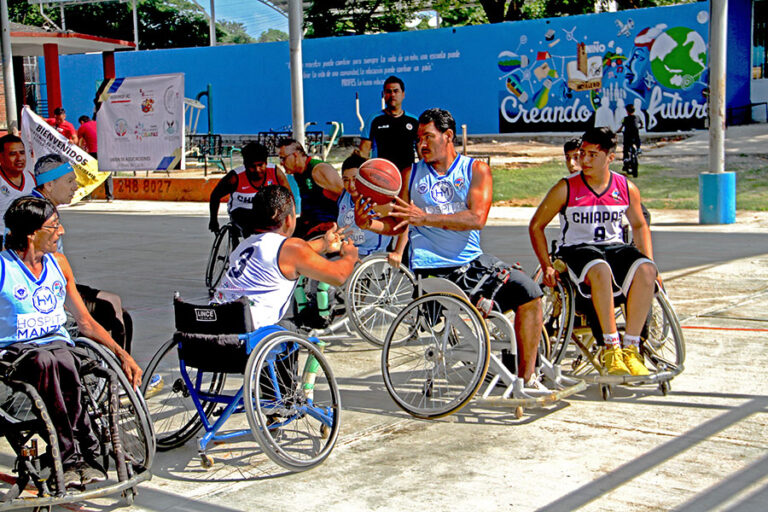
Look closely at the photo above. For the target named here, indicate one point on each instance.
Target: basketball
(378, 179)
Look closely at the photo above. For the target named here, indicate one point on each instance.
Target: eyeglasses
(53, 227)
(284, 158)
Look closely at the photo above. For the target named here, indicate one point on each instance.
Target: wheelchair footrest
(632, 380)
(533, 398)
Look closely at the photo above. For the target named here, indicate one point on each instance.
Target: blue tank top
(367, 242)
(31, 308)
(436, 247)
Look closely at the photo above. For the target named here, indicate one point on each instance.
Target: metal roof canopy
(28, 41)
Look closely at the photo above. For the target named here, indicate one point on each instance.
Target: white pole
(718, 25)
(10, 86)
(135, 25)
(295, 21)
(212, 24)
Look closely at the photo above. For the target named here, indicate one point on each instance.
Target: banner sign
(42, 139)
(140, 123)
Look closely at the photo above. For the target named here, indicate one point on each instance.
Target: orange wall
(161, 189)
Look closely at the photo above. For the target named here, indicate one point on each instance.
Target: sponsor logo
(43, 300)
(4, 190)
(170, 127)
(409, 126)
(579, 198)
(441, 192)
(459, 183)
(20, 292)
(205, 315)
(58, 289)
(148, 105)
(615, 195)
(422, 188)
(145, 132)
(121, 127)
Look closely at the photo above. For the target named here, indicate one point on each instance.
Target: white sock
(612, 340)
(631, 341)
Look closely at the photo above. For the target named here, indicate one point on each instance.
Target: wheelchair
(440, 350)
(224, 243)
(575, 342)
(120, 422)
(289, 393)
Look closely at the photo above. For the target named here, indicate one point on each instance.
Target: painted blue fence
(542, 75)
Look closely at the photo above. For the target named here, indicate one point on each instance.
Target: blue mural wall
(541, 75)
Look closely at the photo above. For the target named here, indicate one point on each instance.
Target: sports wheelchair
(119, 419)
(440, 349)
(575, 342)
(289, 393)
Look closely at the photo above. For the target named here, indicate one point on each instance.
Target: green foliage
(344, 17)
(272, 35)
(455, 13)
(234, 33)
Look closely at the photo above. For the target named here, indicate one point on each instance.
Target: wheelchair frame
(270, 413)
(126, 440)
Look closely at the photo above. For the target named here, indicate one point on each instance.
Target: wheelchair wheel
(171, 408)
(292, 401)
(218, 260)
(376, 292)
(439, 367)
(134, 426)
(559, 309)
(664, 346)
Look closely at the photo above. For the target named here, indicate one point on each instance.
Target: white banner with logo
(141, 123)
(42, 139)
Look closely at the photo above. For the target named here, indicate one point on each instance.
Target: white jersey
(31, 308)
(254, 273)
(10, 192)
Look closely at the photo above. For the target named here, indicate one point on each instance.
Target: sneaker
(91, 473)
(72, 479)
(613, 361)
(634, 361)
(155, 386)
(535, 384)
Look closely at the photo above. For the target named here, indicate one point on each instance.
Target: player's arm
(297, 258)
(395, 258)
(553, 202)
(329, 180)
(90, 328)
(474, 217)
(223, 188)
(641, 233)
(282, 179)
(366, 217)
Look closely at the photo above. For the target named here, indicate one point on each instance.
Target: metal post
(717, 64)
(295, 21)
(10, 90)
(135, 25)
(212, 24)
(464, 137)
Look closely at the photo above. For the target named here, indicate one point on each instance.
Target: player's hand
(213, 225)
(394, 258)
(333, 238)
(130, 368)
(348, 249)
(550, 276)
(658, 280)
(364, 213)
(409, 212)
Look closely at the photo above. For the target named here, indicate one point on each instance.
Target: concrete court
(703, 447)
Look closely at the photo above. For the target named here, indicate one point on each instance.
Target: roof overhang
(26, 44)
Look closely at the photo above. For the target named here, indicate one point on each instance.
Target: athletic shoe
(613, 361)
(634, 361)
(91, 473)
(535, 384)
(155, 386)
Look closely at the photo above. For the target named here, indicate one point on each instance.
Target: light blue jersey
(367, 242)
(31, 309)
(436, 247)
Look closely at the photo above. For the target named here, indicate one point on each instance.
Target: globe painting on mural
(575, 72)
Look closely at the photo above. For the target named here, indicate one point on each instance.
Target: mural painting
(563, 75)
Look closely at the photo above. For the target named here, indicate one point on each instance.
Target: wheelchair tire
(440, 366)
(292, 401)
(558, 309)
(375, 294)
(171, 408)
(218, 259)
(664, 346)
(134, 425)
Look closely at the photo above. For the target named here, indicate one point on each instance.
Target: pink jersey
(589, 218)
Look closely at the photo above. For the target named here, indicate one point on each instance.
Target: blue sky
(256, 16)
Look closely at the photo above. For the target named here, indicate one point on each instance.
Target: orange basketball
(378, 179)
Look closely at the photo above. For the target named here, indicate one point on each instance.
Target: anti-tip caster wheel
(519, 412)
(128, 496)
(325, 431)
(206, 461)
(665, 387)
(606, 392)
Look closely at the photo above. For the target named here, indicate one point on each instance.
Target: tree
(343, 17)
(272, 35)
(234, 32)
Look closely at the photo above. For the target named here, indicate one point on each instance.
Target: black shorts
(622, 259)
(519, 289)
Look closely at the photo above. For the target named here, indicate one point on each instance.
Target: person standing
(64, 127)
(391, 133)
(87, 139)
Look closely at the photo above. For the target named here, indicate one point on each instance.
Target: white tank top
(254, 273)
(9, 192)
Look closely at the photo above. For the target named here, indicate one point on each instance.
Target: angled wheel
(559, 310)
(134, 426)
(168, 398)
(440, 365)
(664, 346)
(375, 294)
(218, 259)
(292, 401)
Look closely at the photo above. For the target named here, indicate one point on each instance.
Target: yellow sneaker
(634, 361)
(613, 361)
